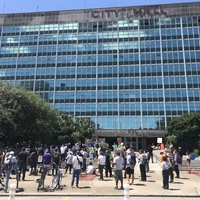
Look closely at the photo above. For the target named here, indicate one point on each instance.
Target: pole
(126, 192)
(12, 191)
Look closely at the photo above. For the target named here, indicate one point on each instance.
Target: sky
(19, 6)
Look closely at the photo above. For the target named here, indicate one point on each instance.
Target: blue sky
(16, 6)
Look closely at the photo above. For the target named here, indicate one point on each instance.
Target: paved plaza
(187, 185)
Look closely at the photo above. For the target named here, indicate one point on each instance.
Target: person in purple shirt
(176, 169)
(47, 160)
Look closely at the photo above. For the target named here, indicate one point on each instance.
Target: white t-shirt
(102, 160)
(76, 163)
(118, 161)
(90, 169)
(165, 165)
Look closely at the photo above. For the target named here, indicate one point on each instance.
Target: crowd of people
(119, 165)
(170, 161)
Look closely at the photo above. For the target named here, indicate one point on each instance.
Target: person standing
(76, 162)
(165, 165)
(188, 160)
(150, 150)
(130, 165)
(141, 160)
(84, 154)
(47, 160)
(176, 169)
(63, 150)
(1, 164)
(180, 153)
(170, 160)
(109, 159)
(118, 163)
(56, 161)
(33, 161)
(22, 160)
(69, 159)
(101, 164)
(7, 168)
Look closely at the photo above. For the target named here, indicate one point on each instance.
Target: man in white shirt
(63, 150)
(76, 162)
(101, 163)
(90, 169)
(118, 163)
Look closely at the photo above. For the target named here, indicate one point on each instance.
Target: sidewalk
(188, 185)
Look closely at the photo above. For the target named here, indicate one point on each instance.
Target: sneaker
(121, 188)
(115, 188)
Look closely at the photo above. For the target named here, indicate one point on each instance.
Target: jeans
(6, 180)
(76, 173)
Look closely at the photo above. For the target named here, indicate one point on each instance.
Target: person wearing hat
(7, 167)
(130, 164)
(68, 160)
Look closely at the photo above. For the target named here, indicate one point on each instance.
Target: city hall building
(129, 69)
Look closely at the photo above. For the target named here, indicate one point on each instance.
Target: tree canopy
(184, 131)
(24, 116)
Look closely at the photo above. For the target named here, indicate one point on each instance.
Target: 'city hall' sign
(129, 13)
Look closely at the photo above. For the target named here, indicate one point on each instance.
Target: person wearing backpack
(76, 162)
(141, 160)
(8, 168)
(130, 164)
(176, 163)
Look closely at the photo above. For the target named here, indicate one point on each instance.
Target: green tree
(24, 116)
(184, 131)
(65, 130)
(84, 129)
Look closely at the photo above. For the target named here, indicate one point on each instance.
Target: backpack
(7, 164)
(179, 161)
(132, 161)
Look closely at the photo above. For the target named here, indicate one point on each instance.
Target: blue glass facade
(125, 68)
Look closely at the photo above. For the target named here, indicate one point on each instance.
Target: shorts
(129, 170)
(118, 175)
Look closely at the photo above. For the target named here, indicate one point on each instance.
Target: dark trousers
(69, 166)
(54, 169)
(143, 172)
(165, 174)
(84, 164)
(22, 168)
(101, 167)
(108, 169)
(177, 171)
(171, 174)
